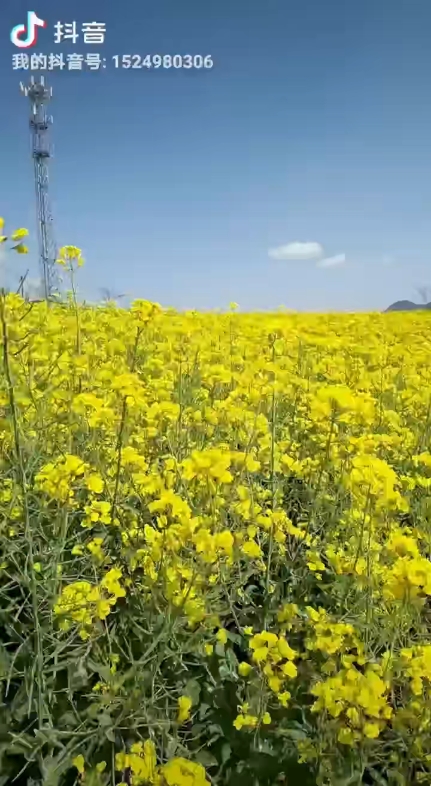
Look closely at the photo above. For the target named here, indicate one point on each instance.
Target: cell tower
(40, 95)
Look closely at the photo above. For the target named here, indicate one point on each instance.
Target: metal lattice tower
(40, 95)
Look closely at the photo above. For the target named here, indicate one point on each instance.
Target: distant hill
(407, 305)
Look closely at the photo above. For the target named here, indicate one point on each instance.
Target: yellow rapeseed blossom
(182, 772)
(69, 255)
(242, 497)
(221, 636)
(184, 706)
(79, 763)
(19, 234)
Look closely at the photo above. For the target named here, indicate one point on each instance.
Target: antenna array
(39, 96)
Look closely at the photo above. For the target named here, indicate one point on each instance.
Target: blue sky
(313, 126)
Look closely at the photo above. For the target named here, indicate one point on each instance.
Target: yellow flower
(95, 547)
(289, 669)
(245, 720)
(285, 650)
(181, 772)
(353, 716)
(275, 684)
(21, 248)
(68, 255)
(227, 422)
(346, 736)
(221, 636)
(19, 234)
(239, 722)
(251, 549)
(184, 705)
(79, 763)
(112, 584)
(284, 698)
(94, 483)
(260, 654)
(371, 730)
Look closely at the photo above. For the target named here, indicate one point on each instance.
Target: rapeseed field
(215, 546)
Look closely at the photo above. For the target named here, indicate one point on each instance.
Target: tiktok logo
(29, 31)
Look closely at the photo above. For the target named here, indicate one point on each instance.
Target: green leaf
(171, 748)
(206, 759)
(104, 719)
(78, 676)
(193, 690)
(224, 671)
(203, 709)
(101, 669)
(231, 660)
(53, 768)
(225, 752)
(67, 720)
(294, 734)
(215, 729)
(93, 710)
(4, 661)
(264, 746)
(19, 705)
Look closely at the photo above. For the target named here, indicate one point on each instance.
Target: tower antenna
(40, 95)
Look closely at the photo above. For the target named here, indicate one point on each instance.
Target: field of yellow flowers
(215, 546)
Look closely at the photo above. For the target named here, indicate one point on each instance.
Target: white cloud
(297, 251)
(338, 259)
